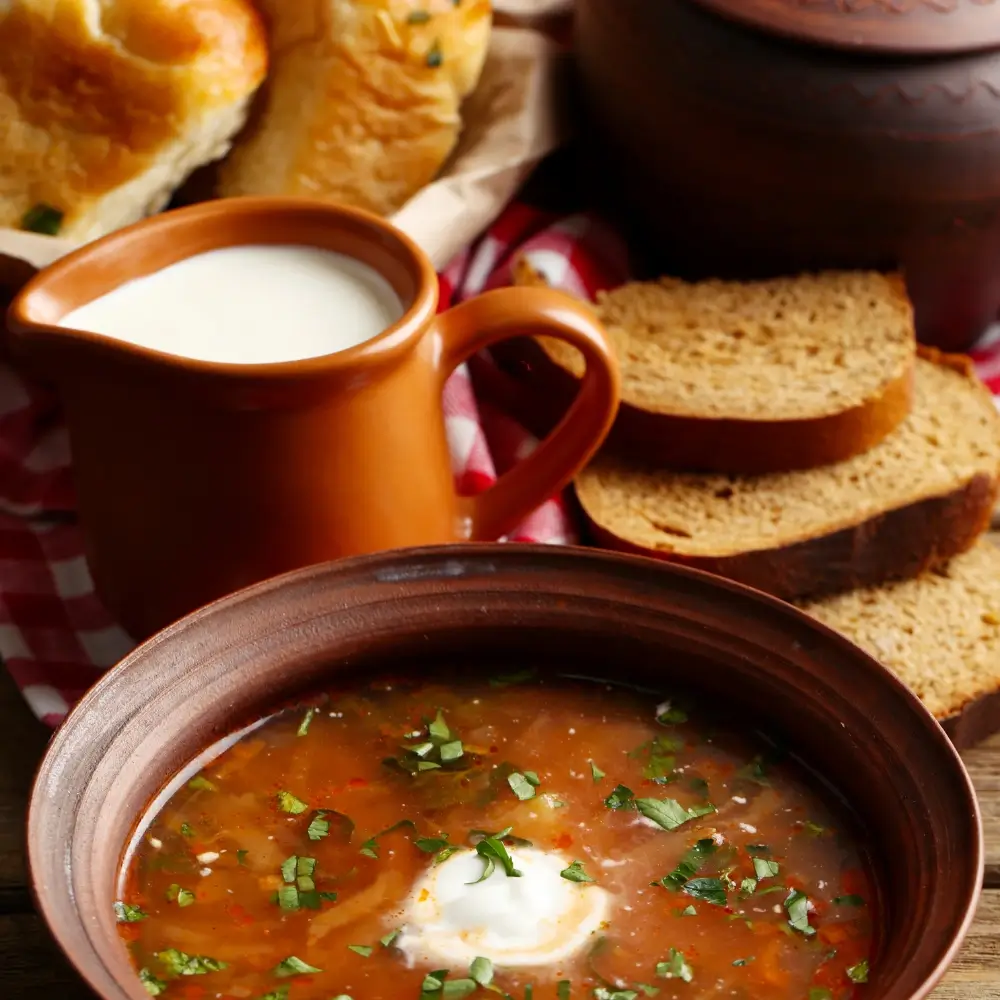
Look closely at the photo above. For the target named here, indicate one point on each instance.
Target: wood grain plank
(983, 763)
(976, 973)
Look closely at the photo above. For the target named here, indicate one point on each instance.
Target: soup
(537, 838)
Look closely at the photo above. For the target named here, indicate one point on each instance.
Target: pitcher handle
(512, 312)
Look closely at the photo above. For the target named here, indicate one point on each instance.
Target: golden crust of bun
(107, 105)
(363, 100)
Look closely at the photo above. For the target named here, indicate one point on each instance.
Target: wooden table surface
(32, 967)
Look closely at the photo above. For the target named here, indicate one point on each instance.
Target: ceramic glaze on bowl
(591, 613)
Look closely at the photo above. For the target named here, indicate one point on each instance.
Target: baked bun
(362, 104)
(106, 106)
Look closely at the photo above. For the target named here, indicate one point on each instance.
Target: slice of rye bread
(940, 635)
(908, 505)
(752, 377)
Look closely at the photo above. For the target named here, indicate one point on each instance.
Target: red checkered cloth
(56, 638)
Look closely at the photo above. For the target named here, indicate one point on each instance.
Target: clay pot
(744, 138)
(593, 612)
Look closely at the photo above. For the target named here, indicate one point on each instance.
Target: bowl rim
(473, 556)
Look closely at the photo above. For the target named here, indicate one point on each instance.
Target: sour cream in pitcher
(255, 304)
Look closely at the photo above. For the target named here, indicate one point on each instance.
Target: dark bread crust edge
(896, 545)
(977, 719)
(695, 444)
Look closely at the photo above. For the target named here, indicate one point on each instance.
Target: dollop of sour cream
(537, 919)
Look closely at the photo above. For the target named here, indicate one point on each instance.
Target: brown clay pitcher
(197, 478)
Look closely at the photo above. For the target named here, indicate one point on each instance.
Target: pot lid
(902, 26)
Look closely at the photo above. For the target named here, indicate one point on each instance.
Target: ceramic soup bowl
(582, 612)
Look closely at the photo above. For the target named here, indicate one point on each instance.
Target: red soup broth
(279, 871)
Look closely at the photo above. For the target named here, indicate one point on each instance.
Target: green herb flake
(481, 971)
(649, 991)
(433, 981)
(128, 914)
(620, 798)
(754, 771)
(452, 751)
(850, 900)
(201, 784)
(748, 887)
(563, 988)
(820, 993)
(765, 869)
(288, 803)
(418, 17)
(603, 993)
(44, 219)
(575, 873)
(689, 911)
(281, 993)
(669, 814)
(521, 786)
(241, 857)
(434, 55)
(671, 716)
(364, 950)
(797, 905)
(529, 989)
(186, 831)
(319, 827)
(389, 938)
(743, 961)
(182, 897)
(518, 677)
(813, 829)
(596, 772)
(492, 850)
(438, 729)
(707, 890)
(293, 966)
(456, 989)
(154, 986)
(858, 973)
(675, 967)
(306, 722)
(181, 964)
(431, 845)
(690, 864)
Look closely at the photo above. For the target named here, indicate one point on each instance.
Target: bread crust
(363, 100)
(896, 545)
(105, 107)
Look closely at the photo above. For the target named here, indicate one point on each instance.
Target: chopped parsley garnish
(675, 967)
(671, 716)
(186, 831)
(293, 966)
(418, 17)
(306, 722)
(620, 798)
(858, 973)
(481, 971)
(452, 751)
(797, 905)
(491, 850)
(288, 803)
(575, 873)
(523, 785)
(281, 993)
(44, 219)
(763, 868)
(650, 991)
(596, 772)
(154, 986)
(438, 729)
(754, 771)
(182, 897)
(758, 849)
(850, 900)
(563, 989)
(669, 814)
(319, 827)
(690, 864)
(370, 847)
(389, 938)
(434, 55)
(181, 964)
(364, 950)
(708, 890)
(813, 829)
(201, 783)
(748, 887)
(438, 846)
(475, 836)
(820, 993)
(299, 891)
(128, 914)
(437, 745)
(604, 993)
(689, 911)
(743, 961)
(241, 857)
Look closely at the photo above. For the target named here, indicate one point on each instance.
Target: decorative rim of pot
(900, 27)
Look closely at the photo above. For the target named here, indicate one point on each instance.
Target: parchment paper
(511, 122)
